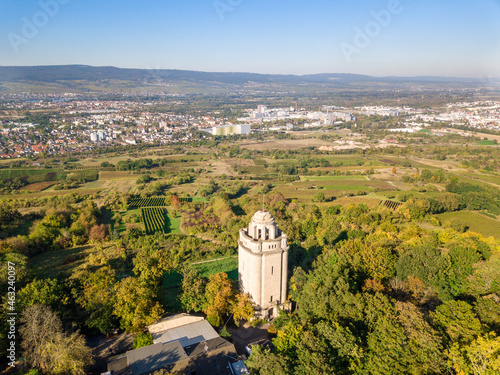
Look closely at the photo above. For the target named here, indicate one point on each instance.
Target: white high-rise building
(263, 264)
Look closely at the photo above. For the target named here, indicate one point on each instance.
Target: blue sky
(422, 37)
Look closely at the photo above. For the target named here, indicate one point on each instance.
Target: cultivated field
(476, 222)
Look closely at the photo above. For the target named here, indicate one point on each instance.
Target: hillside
(81, 78)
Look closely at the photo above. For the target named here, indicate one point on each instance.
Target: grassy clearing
(495, 179)
(199, 200)
(290, 192)
(228, 265)
(52, 263)
(171, 300)
(475, 221)
(487, 143)
(172, 289)
(172, 280)
(474, 180)
(174, 224)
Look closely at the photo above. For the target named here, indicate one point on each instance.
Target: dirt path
(214, 260)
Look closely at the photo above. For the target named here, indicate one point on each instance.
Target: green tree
(151, 263)
(480, 357)
(44, 233)
(8, 215)
(344, 349)
(135, 305)
(425, 261)
(193, 291)
(458, 321)
(387, 350)
(47, 292)
(288, 337)
(98, 297)
(319, 197)
(89, 215)
(263, 362)
(488, 311)
(423, 343)
(142, 340)
(314, 356)
(241, 307)
(218, 293)
(21, 262)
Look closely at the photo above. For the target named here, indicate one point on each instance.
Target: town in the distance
(79, 125)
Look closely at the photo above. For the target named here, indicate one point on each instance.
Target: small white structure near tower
(263, 264)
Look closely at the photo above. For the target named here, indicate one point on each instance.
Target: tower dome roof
(263, 217)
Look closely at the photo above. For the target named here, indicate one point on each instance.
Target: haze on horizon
(380, 38)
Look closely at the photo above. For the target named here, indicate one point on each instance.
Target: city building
(231, 129)
(263, 264)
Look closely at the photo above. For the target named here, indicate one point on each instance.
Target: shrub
(142, 340)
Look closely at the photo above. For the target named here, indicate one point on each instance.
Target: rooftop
(263, 217)
(186, 335)
(155, 357)
(174, 321)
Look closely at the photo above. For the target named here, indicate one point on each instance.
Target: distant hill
(82, 78)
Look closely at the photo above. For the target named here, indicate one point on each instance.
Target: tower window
(271, 298)
(260, 233)
(272, 270)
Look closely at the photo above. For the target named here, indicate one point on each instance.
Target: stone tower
(263, 263)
